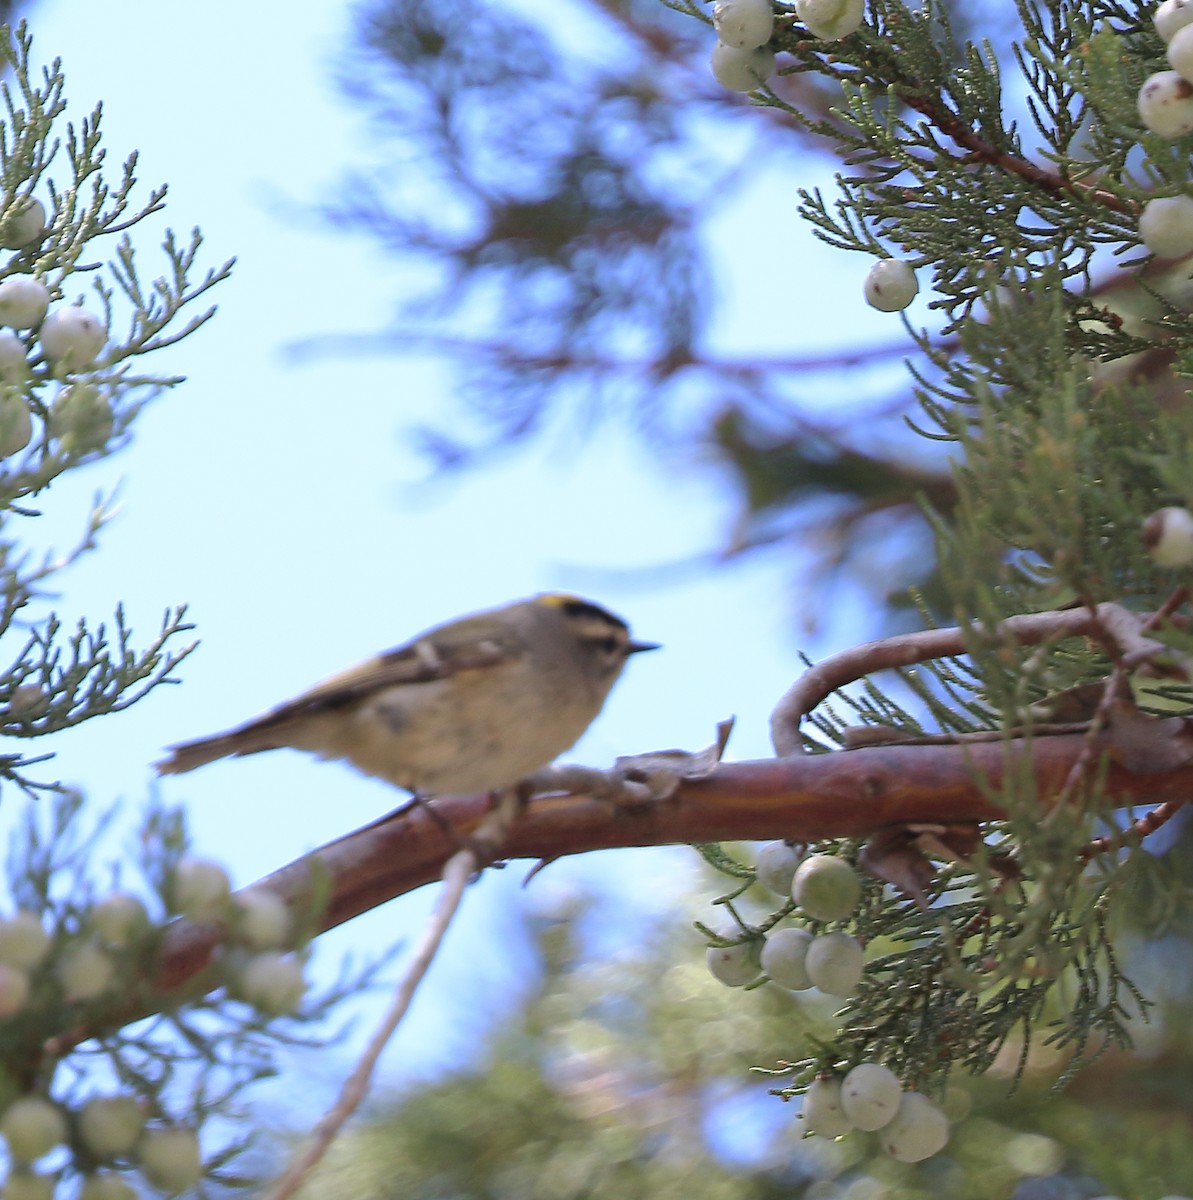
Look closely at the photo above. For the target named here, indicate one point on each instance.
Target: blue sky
(277, 496)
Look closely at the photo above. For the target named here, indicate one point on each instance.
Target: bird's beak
(638, 647)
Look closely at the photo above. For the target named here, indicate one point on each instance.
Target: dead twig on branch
(456, 874)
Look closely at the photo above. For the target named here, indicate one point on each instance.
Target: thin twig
(981, 150)
(510, 355)
(1147, 824)
(458, 870)
(1128, 648)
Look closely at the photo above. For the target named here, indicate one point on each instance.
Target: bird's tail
(248, 739)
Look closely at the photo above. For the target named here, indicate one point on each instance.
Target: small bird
(472, 705)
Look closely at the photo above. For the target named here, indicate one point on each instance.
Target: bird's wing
(468, 645)
(422, 661)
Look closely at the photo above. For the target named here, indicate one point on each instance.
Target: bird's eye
(610, 646)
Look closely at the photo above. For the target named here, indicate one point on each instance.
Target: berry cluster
(1165, 105)
(110, 1140)
(52, 344)
(826, 889)
(743, 60)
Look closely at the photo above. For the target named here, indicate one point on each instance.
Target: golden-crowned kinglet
(473, 705)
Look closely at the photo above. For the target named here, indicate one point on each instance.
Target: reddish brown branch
(805, 798)
(905, 650)
(1120, 628)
